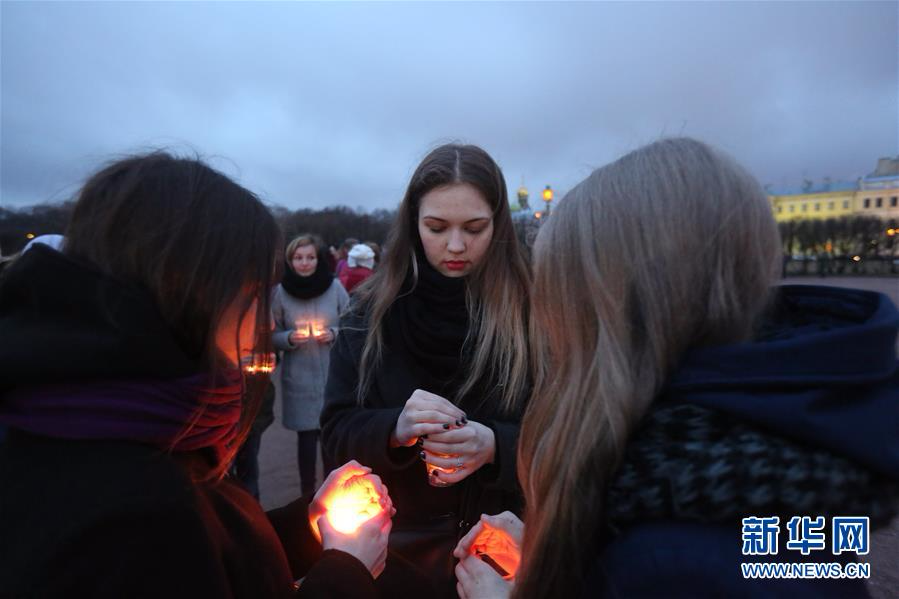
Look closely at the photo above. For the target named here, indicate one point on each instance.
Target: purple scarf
(183, 414)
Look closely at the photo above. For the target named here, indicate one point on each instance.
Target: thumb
(328, 533)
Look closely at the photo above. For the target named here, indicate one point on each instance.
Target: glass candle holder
(436, 481)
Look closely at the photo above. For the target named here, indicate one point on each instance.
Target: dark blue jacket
(822, 372)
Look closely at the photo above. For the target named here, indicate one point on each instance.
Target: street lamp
(548, 198)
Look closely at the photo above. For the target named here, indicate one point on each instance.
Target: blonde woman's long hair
(671, 247)
(497, 291)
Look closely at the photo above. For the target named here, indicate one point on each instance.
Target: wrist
(489, 440)
(393, 442)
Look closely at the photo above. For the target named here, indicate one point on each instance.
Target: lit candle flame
(260, 364)
(353, 504)
(304, 329)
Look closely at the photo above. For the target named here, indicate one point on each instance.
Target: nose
(455, 244)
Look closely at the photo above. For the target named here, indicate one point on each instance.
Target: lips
(456, 264)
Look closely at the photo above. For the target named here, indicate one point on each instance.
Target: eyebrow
(443, 220)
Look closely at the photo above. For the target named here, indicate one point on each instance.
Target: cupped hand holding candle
(322, 333)
(498, 537)
(349, 496)
(352, 512)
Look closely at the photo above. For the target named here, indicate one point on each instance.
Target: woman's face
(304, 260)
(455, 224)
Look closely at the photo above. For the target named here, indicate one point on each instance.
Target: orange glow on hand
(353, 503)
(501, 548)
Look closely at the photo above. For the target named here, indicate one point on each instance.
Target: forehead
(458, 202)
(303, 250)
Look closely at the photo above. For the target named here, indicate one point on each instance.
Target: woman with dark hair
(306, 307)
(429, 375)
(681, 394)
(121, 385)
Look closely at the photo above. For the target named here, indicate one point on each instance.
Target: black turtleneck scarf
(314, 285)
(431, 324)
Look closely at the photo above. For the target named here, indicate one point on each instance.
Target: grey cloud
(314, 104)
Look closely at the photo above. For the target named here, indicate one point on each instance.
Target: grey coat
(304, 368)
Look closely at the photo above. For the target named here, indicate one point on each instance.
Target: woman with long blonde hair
(429, 375)
(680, 391)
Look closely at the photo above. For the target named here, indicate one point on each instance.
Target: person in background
(342, 253)
(377, 250)
(680, 390)
(306, 307)
(113, 471)
(430, 374)
(360, 266)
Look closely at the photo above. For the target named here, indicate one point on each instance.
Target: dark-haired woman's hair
(498, 288)
(191, 237)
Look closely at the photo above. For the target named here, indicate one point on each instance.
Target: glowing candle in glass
(304, 329)
(495, 547)
(318, 328)
(436, 481)
(353, 504)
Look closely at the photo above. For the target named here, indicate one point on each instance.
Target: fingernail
(421, 454)
(446, 426)
(420, 441)
(464, 420)
(458, 423)
(423, 437)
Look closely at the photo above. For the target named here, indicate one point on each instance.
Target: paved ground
(279, 482)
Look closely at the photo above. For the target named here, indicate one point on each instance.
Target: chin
(454, 274)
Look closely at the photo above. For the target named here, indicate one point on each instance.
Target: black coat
(118, 519)
(96, 518)
(362, 433)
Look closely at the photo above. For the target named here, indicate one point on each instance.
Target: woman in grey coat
(306, 308)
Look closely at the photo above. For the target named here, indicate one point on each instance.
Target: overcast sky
(317, 104)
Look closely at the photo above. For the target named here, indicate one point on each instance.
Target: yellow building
(879, 196)
(876, 194)
(827, 200)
